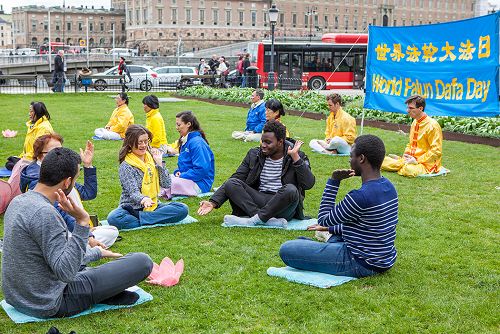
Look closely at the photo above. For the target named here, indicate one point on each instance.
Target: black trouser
(95, 284)
(246, 201)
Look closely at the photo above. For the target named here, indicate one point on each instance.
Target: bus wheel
(317, 83)
(100, 85)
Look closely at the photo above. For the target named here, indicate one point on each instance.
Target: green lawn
(446, 278)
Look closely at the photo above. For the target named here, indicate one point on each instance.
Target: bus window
(317, 61)
(347, 63)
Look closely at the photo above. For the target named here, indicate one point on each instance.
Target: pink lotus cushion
(166, 274)
(9, 133)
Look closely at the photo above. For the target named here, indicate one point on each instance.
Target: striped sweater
(366, 219)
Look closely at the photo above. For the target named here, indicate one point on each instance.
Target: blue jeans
(164, 214)
(331, 257)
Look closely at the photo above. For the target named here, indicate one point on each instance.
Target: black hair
(277, 128)
(275, 106)
(151, 101)
(40, 110)
(419, 101)
(124, 97)
(335, 98)
(372, 147)
(59, 164)
(202, 59)
(188, 117)
(123, 58)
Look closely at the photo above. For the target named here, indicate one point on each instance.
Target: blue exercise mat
(180, 198)
(187, 220)
(442, 171)
(4, 172)
(99, 138)
(312, 278)
(21, 318)
(335, 155)
(168, 155)
(294, 224)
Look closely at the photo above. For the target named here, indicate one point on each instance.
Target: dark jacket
(58, 64)
(88, 191)
(298, 174)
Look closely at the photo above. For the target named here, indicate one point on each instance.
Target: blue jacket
(256, 118)
(31, 173)
(196, 162)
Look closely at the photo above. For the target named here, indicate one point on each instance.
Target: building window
(160, 15)
(294, 19)
(374, 21)
(68, 26)
(57, 27)
(215, 16)
(346, 22)
(130, 17)
(326, 21)
(33, 25)
(174, 16)
(91, 26)
(137, 17)
(145, 15)
(355, 24)
(202, 34)
(202, 16)
(80, 26)
(242, 14)
(228, 17)
(123, 26)
(102, 26)
(189, 34)
(336, 22)
(188, 16)
(45, 26)
(254, 18)
(306, 20)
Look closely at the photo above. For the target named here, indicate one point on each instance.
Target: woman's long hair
(188, 117)
(40, 110)
(131, 140)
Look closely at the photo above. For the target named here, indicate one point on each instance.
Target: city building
(30, 25)
(161, 25)
(5, 30)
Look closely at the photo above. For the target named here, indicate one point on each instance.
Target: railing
(44, 58)
(75, 83)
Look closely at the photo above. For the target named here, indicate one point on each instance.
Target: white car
(170, 76)
(143, 78)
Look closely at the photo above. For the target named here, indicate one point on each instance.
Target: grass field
(446, 278)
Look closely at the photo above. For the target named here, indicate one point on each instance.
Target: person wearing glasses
(340, 130)
(102, 236)
(424, 151)
(141, 176)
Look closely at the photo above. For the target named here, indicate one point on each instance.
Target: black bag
(11, 161)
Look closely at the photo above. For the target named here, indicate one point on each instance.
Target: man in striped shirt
(363, 224)
(269, 186)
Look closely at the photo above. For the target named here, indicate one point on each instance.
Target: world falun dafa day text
(454, 89)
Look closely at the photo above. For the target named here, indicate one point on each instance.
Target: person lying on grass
(41, 261)
(196, 164)
(424, 151)
(120, 120)
(141, 175)
(363, 224)
(104, 236)
(340, 129)
(269, 186)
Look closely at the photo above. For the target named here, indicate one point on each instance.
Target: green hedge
(313, 102)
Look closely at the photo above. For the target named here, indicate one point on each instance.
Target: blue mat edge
(190, 219)
(442, 171)
(143, 298)
(273, 227)
(272, 271)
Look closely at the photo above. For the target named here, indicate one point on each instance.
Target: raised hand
(67, 205)
(341, 174)
(87, 155)
(205, 207)
(294, 152)
(157, 156)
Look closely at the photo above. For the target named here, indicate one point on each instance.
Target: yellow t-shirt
(120, 120)
(341, 125)
(426, 143)
(40, 128)
(155, 124)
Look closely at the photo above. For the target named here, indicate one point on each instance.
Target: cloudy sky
(8, 4)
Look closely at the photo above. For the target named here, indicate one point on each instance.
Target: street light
(273, 18)
(310, 13)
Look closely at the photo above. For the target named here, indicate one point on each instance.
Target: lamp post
(273, 18)
(310, 12)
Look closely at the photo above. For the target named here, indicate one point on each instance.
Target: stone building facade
(5, 30)
(159, 25)
(30, 25)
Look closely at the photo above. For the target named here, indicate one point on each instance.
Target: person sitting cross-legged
(363, 224)
(424, 151)
(256, 117)
(120, 120)
(274, 111)
(141, 175)
(269, 186)
(340, 129)
(41, 262)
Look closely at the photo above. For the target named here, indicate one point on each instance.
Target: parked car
(170, 76)
(143, 78)
(233, 79)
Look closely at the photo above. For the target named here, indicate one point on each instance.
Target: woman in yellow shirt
(120, 120)
(38, 125)
(155, 124)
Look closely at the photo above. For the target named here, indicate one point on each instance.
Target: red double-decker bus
(337, 62)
